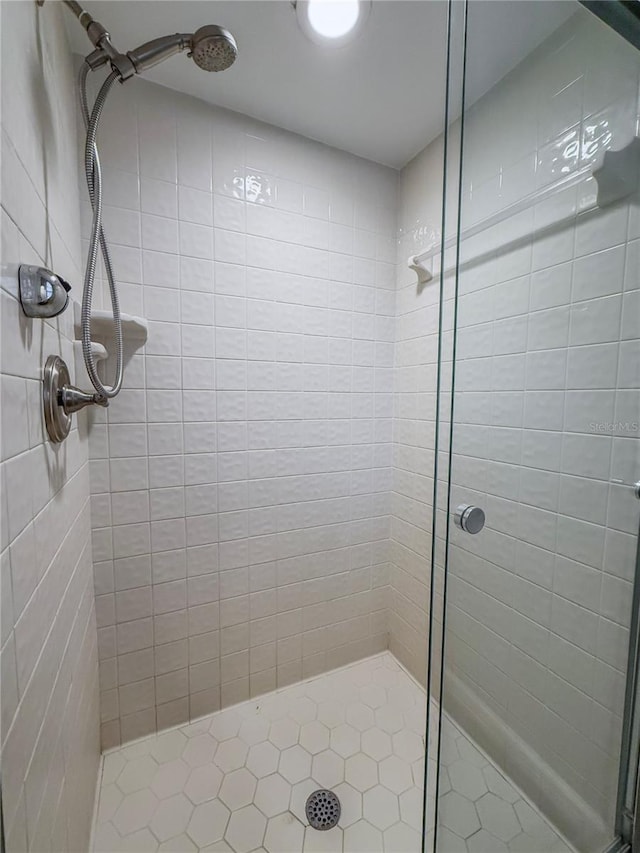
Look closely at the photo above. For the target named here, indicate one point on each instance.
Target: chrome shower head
(213, 48)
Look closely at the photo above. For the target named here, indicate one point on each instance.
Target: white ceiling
(381, 97)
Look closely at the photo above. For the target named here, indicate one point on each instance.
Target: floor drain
(323, 809)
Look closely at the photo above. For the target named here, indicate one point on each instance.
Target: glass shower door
(536, 520)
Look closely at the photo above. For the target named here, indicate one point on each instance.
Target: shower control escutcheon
(469, 518)
(61, 399)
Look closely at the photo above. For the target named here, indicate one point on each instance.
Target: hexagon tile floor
(480, 810)
(238, 779)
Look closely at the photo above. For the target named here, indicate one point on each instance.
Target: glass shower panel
(533, 608)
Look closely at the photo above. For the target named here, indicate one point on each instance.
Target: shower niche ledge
(135, 330)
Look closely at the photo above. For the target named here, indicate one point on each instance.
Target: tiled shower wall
(50, 715)
(241, 481)
(546, 436)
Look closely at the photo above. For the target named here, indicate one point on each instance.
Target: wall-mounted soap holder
(423, 268)
(61, 399)
(99, 354)
(134, 329)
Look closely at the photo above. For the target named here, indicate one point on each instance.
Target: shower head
(212, 48)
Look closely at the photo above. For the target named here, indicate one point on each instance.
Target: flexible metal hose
(94, 186)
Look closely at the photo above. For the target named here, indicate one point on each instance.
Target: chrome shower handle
(61, 399)
(74, 399)
(469, 518)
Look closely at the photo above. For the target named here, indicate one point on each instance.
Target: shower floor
(238, 779)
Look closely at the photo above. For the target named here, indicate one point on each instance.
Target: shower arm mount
(99, 36)
(126, 65)
(134, 61)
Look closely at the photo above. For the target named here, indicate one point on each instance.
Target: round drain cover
(323, 809)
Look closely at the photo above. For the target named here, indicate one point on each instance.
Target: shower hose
(97, 239)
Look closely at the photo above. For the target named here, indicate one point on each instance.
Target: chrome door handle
(469, 518)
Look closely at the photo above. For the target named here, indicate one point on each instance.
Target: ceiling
(380, 97)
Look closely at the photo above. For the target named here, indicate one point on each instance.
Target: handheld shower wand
(212, 48)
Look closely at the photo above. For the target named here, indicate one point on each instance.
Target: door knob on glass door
(469, 518)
